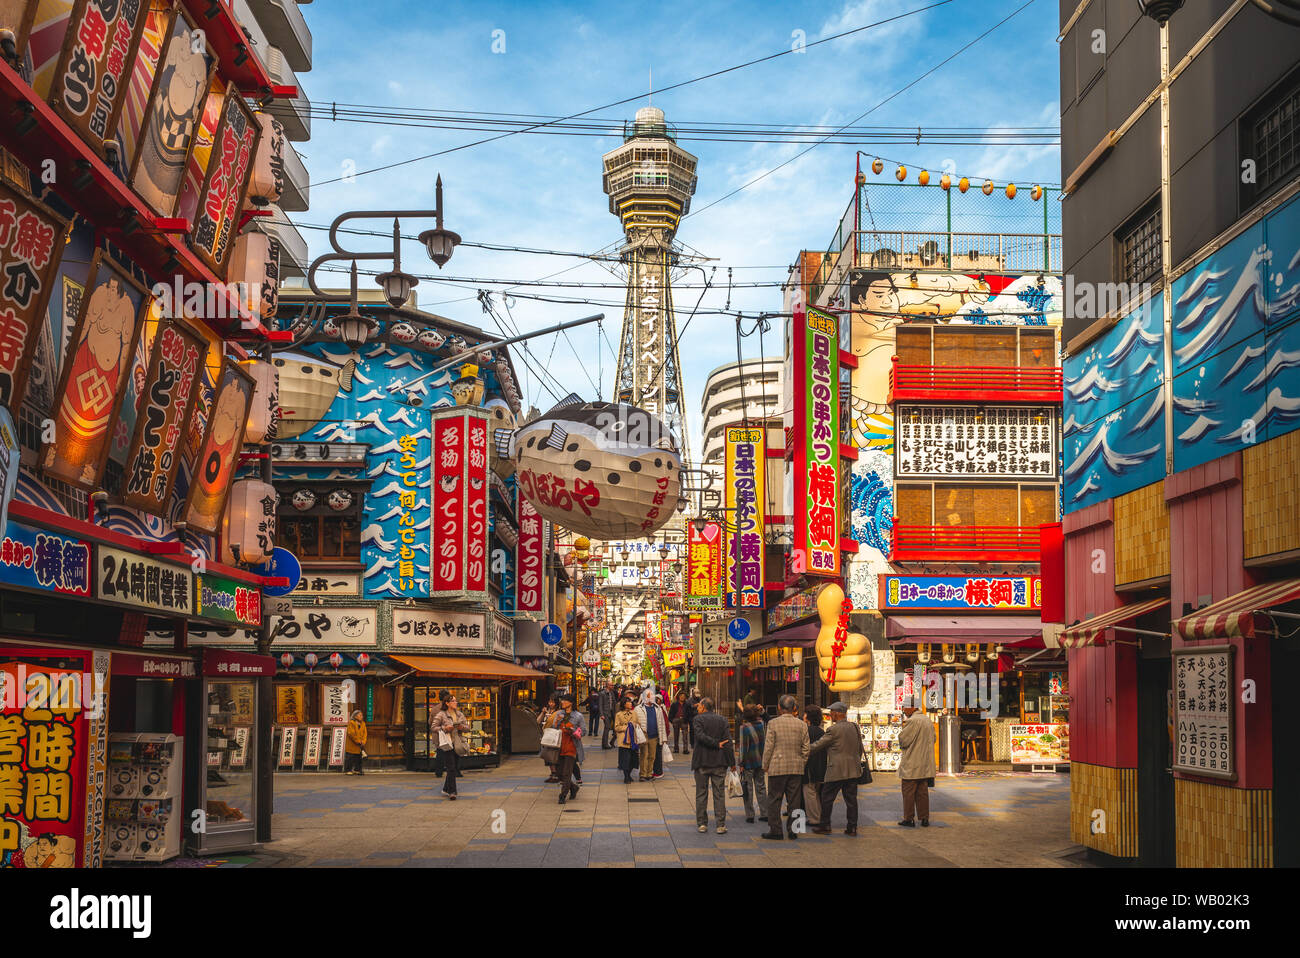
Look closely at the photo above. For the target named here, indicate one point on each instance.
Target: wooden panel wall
(1271, 489)
(1223, 827)
(1205, 533)
(1141, 534)
(1113, 791)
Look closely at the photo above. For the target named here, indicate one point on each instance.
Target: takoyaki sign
(460, 505)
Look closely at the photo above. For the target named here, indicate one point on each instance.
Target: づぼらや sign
(327, 625)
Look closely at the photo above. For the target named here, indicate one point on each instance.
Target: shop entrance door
(1285, 655)
(1155, 779)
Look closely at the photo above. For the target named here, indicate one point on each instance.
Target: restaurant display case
(480, 705)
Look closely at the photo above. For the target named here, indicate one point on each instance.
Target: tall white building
(737, 391)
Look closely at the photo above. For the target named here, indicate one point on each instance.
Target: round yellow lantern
(1011, 191)
(988, 187)
(963, 185)
(877, 165)
(945, 181)
(924, 178)
(901, 173)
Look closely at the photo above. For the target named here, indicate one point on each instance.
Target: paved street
(391, 819)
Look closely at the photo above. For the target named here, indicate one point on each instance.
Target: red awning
(960, 629)
(1240, 615)
(1093, 631)
(153, 665)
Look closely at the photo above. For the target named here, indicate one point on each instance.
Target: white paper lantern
(597, 468)
(430, 339)
(266, 182)
(251, 527)
(248, 268)
(402, 333)
(264, 413)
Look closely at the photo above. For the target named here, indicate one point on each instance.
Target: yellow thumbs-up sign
(848, 667)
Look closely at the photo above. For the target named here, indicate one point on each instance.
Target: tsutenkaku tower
(650, 180)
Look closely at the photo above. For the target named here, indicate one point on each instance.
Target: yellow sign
(775, 657)
(674, 658)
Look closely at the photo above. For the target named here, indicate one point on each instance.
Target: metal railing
(936, 382)
(974, 543)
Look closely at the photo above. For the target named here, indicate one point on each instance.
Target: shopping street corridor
(508, 817)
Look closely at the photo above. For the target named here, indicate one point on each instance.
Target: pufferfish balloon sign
(843, 657)
(604, 470)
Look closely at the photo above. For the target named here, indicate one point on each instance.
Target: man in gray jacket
(843, 745)
(916, 739)
(785, 753)
(713, 755)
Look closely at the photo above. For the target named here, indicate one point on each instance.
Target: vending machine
(143, 814)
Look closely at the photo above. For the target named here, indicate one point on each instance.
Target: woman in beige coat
(916, 767)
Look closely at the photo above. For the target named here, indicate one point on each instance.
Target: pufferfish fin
(557, 437)
(345, 375)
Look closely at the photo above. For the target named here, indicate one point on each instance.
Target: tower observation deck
(650, 181)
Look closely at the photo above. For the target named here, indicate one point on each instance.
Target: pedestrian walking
(916, 767)
(652, 718)
(841, 748)
(814, 772)
(355, 748)
(608, 706)
(628, 735)
(593, 713)
(753, 779)
(694, 701)
(447, 727)
(785, 752)
(714, 754)
(663, 739)
(681, 715)
(569, 721)
(544, 721)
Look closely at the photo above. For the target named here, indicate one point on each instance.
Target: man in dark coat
(713, 755)
(843, 746)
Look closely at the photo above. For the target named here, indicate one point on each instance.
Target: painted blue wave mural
(1115, 454)
(872, 505)
(1221, 302)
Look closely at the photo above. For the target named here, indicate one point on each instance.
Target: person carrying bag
(447, 725)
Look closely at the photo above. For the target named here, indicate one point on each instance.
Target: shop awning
(796, 636)
(1240, 615)
(528, 639)
(153, 665)
(467, 667)
(1091, 631)
(933, 629)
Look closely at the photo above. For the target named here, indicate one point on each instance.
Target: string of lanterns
(946, 181)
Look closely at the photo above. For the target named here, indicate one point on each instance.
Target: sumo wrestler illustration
(98, 369)
(220, 453)
(182, 85)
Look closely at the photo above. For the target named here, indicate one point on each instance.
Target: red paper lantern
(336, 660)
(311, 659)
(363, 660)
(287, 660)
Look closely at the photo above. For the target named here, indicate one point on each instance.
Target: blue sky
(544, 191)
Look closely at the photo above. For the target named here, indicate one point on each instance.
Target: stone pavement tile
(336, 863)
(392, 855)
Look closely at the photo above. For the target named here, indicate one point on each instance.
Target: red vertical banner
(447, 569)
(476, 505)
(1051, 547)
(528, 556)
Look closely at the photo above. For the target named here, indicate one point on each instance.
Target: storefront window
(230, 753)
(480, 707)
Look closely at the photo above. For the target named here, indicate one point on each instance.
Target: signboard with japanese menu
(128, 578)
(703, 567)
(994, 442)
(227, 601)
(91, 80)
(742, 549)
(29, 259)
(816, 368)
(290, 704)
(1203, 711)
(171, 386)
(1040, 744)
(222, 195)
(933, 592)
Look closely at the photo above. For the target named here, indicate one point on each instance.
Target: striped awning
(1090, 632)
(1237, 616)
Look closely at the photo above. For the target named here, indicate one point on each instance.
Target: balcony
(1020, 384)
(965, 544)
(285, 26)
(295, 196)
(295, 114)
(293, 248)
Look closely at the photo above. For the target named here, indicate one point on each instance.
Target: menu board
(1040, 744)
(1203, 711)
(997, 442)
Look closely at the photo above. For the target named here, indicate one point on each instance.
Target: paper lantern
(363, 660)
(266, 182)
(901, 173)
(251, 523)
(311, 659)
(843, 657)
(604, 470)
(1011, 191)
(336, 660)
(988, 187)
(876, 166)
(859, 179)
(249, 259)
(264, 413)
(924, 178)
(1036, 193)
(945, 181)
(403, 333)
(287, 660)
(963, 185)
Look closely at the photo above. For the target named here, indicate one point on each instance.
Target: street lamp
(1159, 10)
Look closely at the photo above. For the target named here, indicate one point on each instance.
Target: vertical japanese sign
(528, 556)
(447, 568)
(222, 195)
(206, 499)
(746, 458)
(817, 444)
(94, 375)
(180, 86)
(704, 567)
(92, 78)
(408, 462)
(1203, 711)
(476, 505)
(654, 629)
(29, 260)
(45, 741)
(172, 383)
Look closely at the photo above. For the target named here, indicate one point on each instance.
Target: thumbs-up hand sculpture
(843, 657)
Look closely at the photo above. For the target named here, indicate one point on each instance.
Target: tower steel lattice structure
(650, 181)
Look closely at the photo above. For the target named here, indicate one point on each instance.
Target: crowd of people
(791, 762)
